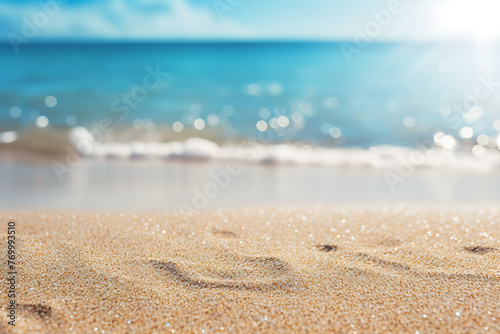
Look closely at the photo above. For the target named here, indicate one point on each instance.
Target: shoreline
(153, 186)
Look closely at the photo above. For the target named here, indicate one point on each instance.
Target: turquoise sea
(307, 94)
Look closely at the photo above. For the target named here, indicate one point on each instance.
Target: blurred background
(199, 104)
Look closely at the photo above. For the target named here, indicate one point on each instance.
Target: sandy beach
(311, 269)
(183, 166)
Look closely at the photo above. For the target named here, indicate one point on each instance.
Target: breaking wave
(80, 140)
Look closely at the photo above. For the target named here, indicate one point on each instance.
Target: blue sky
(249, 19)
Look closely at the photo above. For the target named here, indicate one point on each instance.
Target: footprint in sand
(479, 249)
(394, 266)
(38, 310)
(228, 270)
(327, 248)
(225, 234)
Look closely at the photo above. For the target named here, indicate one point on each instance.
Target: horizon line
(236, 41)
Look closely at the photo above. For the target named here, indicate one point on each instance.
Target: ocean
(298, 102)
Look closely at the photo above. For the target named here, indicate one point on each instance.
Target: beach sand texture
(315, 269)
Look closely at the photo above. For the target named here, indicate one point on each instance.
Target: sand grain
(339, 269)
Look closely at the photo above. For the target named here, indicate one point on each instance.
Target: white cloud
(117, 19)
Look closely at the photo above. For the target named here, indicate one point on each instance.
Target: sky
(355, 20)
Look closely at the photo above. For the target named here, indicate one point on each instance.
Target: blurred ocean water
(289, 98)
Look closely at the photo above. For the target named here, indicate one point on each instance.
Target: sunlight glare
(478, 19)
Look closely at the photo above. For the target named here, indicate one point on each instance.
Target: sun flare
(477, 19)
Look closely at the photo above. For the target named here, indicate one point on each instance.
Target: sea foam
(82, 141)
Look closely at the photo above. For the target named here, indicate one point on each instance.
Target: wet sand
(311, 269)
(158, 185)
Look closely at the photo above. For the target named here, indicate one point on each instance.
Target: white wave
(385, 157)
(8, 137)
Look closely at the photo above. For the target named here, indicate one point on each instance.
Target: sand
(316, 269)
